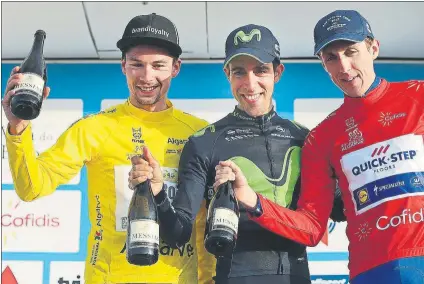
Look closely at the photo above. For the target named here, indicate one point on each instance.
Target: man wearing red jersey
(373, 146)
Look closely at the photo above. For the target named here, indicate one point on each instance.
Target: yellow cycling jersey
(105, 143)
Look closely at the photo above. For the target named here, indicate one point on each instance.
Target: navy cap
(252, 40)
(341, 25)
(151, 29)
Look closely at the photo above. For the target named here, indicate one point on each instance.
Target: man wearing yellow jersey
(105, 143)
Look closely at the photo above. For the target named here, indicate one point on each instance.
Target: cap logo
(336, 22)
(240, 35)
(151, 30)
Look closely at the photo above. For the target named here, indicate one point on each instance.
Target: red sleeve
(308, 223)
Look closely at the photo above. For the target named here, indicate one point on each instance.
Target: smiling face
(351, 65)
(252, 83)
(149, 71)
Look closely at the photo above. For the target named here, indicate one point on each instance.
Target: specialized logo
(387, 118)
(240, 35)
(379, 189)
(364, 231)
(281, 189)
(405, 218)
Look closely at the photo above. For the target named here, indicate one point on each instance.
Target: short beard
(147, 102)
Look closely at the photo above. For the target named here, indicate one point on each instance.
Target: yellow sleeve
(35, 177)
(206, 262)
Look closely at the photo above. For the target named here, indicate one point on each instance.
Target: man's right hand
(144, 169)
(16, 125)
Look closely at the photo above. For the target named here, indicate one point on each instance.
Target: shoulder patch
(202, 131)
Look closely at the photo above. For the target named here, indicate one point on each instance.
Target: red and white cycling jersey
(374, 146)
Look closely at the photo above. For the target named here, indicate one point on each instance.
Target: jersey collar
(371, 97)
(259, 119)
(152, 116)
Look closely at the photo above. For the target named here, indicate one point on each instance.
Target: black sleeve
(337, 213)
(177, 219)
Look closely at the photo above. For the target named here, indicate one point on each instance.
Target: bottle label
(31, 83)
(225, 219)
(124, 194)
(144, 233)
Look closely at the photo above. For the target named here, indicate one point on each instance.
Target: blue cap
(341, 25)
(252, 40)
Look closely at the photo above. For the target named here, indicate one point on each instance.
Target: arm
(308, 223)
(35, 177)
(206, 262)
(337, 213)
(177, 219)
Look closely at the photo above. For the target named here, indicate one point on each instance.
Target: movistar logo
(240, 35)
(281, 189)
(202, 131)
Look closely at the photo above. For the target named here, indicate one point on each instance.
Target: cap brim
(260, 55)
(125, 43)
(342, 36)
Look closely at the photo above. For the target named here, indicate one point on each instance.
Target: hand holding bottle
(16, 124)
(222, 222)
(229, 171)
(145, 168)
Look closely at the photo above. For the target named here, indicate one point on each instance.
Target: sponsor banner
(310, 112)
(390, 168)
(48, 224)
(329, 272)
(66, 272)
(55, 117)
(405, 218)
(330, 279)
(375, 193)
(21, 272)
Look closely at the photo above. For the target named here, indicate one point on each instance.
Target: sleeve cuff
(162, 200)
(26, 135)
(257, 211)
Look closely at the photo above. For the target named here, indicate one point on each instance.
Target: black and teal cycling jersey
(267, 149)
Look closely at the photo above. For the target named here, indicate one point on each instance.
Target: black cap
(252, 40)
(151, 29)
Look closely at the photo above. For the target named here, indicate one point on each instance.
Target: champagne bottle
(222, 221)
(143, 229)
(28, 98)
